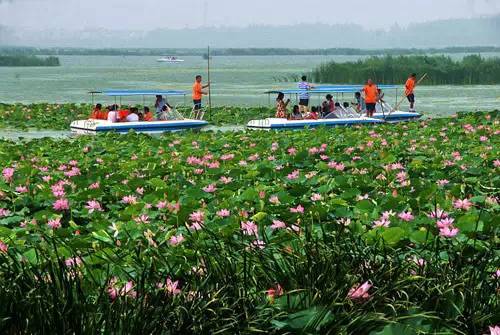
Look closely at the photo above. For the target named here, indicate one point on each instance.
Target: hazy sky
(152, 14)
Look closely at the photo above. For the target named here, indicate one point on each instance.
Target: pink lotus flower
(442, 182)
(93, 205)
(58, 190)
(316, 197)
(437, 214)
(171, 287)
(494, 330)
(381, 223)
(274, 146)
(8, 174)
(225, 180)
(195, 226)
(448, 231)
(294, 175)
(360, 292)
(191, 160)
(3, 247)
(464, 204)
(73, 172)
(94, 186)
(406, 216)
(388, 214)
(61, 204)
(142, 219)
(197, 216)
(496, 163)
(46, 178)
(223, 213)
(21, 189)
(274, 200)
(292, 151)
(213, 165)
(258, 244)
(140, 190)
(249, 228)
(253, 157)
(4, 212)
(210, 188)
(483, 138)
(271, 158)
(298, 209)
(272, 293)
(227, 157)
(242, 163)
(54, 223)
(129, 199)
(126, 291)
(277, 224)
(313, 151)
(73, 261)
(199, 171)
(161, 204)
(176, 240)
(444, 223)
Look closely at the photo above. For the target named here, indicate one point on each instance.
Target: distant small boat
(170, 59)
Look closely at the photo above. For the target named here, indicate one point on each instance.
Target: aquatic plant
(269, 232)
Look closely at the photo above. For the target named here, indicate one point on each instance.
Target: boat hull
(153, 127)
(280, 124)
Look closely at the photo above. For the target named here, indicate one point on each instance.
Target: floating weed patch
(368, 230)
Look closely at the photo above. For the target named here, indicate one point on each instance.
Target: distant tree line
(22, 60)
(441, 70)
(240, 51)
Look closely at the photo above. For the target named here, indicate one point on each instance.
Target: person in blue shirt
(304, 96)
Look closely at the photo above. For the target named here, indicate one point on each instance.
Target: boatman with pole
(197, 96)
(410, 90)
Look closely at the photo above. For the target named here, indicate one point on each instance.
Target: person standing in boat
(410, 90)
(371, 97)
(304, 96)
(159, 103)
(198, 94)
(281, 106)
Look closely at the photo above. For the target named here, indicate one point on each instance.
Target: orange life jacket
(95, 114)
(122, 114)
(148, 116)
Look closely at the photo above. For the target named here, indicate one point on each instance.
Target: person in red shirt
(148, 116)
(410, 90)
(96, 113)
(371, 97)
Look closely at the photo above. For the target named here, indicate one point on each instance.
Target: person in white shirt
(133, 116)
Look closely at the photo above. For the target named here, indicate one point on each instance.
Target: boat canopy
(331, 89)
(124, 93)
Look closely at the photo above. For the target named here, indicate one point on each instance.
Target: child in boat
(296, 114)
(147, 115)
(281, 106)
(314, 114)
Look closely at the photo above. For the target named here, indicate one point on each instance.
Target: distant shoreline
(24, 61)
(32, 51)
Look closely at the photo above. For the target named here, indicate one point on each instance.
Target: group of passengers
(114, 113)
(366, 101)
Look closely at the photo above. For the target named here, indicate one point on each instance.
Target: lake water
(236, 81)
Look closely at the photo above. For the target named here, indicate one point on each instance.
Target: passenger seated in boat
(159, 104)
(360, 102)
(281, 106)
(313, 115)
(296, 114)
(334, 114)
(166, 114)
(132, 115)
(113, 113)
(331, 103)
(147, 115)
(325, 110)
(96, 113)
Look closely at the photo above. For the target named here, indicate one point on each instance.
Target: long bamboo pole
(209, 85)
